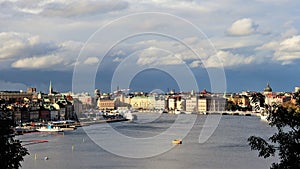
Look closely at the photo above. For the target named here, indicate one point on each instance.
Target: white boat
(177, 112)
(264, 118)
(129, 116)
(187, 112)
(49, 129)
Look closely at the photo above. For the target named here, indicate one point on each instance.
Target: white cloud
(43, 62)
(291, 44)
(227, 59)
(196, 63)
(22, 50)
(155, 56)
(242, 27)
(269, 46)
(117, 59)
(15, 45)
(67, 8)
(91, 61)
(289, 50)
(285, 50)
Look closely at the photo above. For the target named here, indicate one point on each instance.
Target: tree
(11, 150)
(259, 99)
(286, 141)
(230, 106)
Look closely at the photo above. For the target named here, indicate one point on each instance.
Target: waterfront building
(241, 100)
(142, 102)
(191, 104)
(106, 104)
(216, 104)
(159, 103)
(175, 102)
(172, 103)
(44, 114)
(202, 104)
(65, 108)
(34, 112)
(54, 114)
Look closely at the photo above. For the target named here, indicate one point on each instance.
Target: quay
(233, 113)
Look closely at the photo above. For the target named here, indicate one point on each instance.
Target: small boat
(160, 111)
(177, 112)
(264, 118)
(129, 116)
(177, 141)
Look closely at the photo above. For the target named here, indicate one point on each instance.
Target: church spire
(50, 88)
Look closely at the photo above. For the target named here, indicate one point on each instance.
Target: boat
(264, 118)
(129, 116)
(177, 141)
(49, 129)
(188, 112)
(177, 112)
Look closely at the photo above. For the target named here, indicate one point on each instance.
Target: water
(227, 148)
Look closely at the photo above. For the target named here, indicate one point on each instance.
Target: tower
(50, 88)
(268, 89)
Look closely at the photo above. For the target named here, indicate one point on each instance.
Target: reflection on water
(227, 148)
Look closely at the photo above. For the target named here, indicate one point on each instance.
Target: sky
(150, 45)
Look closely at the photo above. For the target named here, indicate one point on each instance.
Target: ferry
(45, 129)
(49, 128)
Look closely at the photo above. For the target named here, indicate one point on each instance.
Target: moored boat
(49, 129)
(264, 118)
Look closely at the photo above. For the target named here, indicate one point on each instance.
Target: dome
(268, 88)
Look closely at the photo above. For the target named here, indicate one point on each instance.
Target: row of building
(36, 106)
(202, 101)
(30, 105)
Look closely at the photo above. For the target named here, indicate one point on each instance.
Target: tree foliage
(11, 150)
(285, 142)
(259, 98)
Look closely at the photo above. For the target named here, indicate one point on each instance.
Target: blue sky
(149, 44)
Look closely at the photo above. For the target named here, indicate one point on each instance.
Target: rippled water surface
(227, 148)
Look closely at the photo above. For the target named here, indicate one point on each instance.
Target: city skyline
(257, 43)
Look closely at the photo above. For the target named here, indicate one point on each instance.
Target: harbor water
(227, 148)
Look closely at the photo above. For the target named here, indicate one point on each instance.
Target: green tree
(11, 150)
(285, 142)
(258, 98)
(230, 106)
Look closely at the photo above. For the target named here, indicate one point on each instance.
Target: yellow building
(202, 105)
(106, 104)
(142, 102)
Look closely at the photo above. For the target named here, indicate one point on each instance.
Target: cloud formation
(18, 45)
(227, 59)
(26, 51)
(65, 8)
(286, 49)
(91, 61)
(242, 27)
(42, 62)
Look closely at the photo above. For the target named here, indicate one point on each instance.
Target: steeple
(50, 88)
